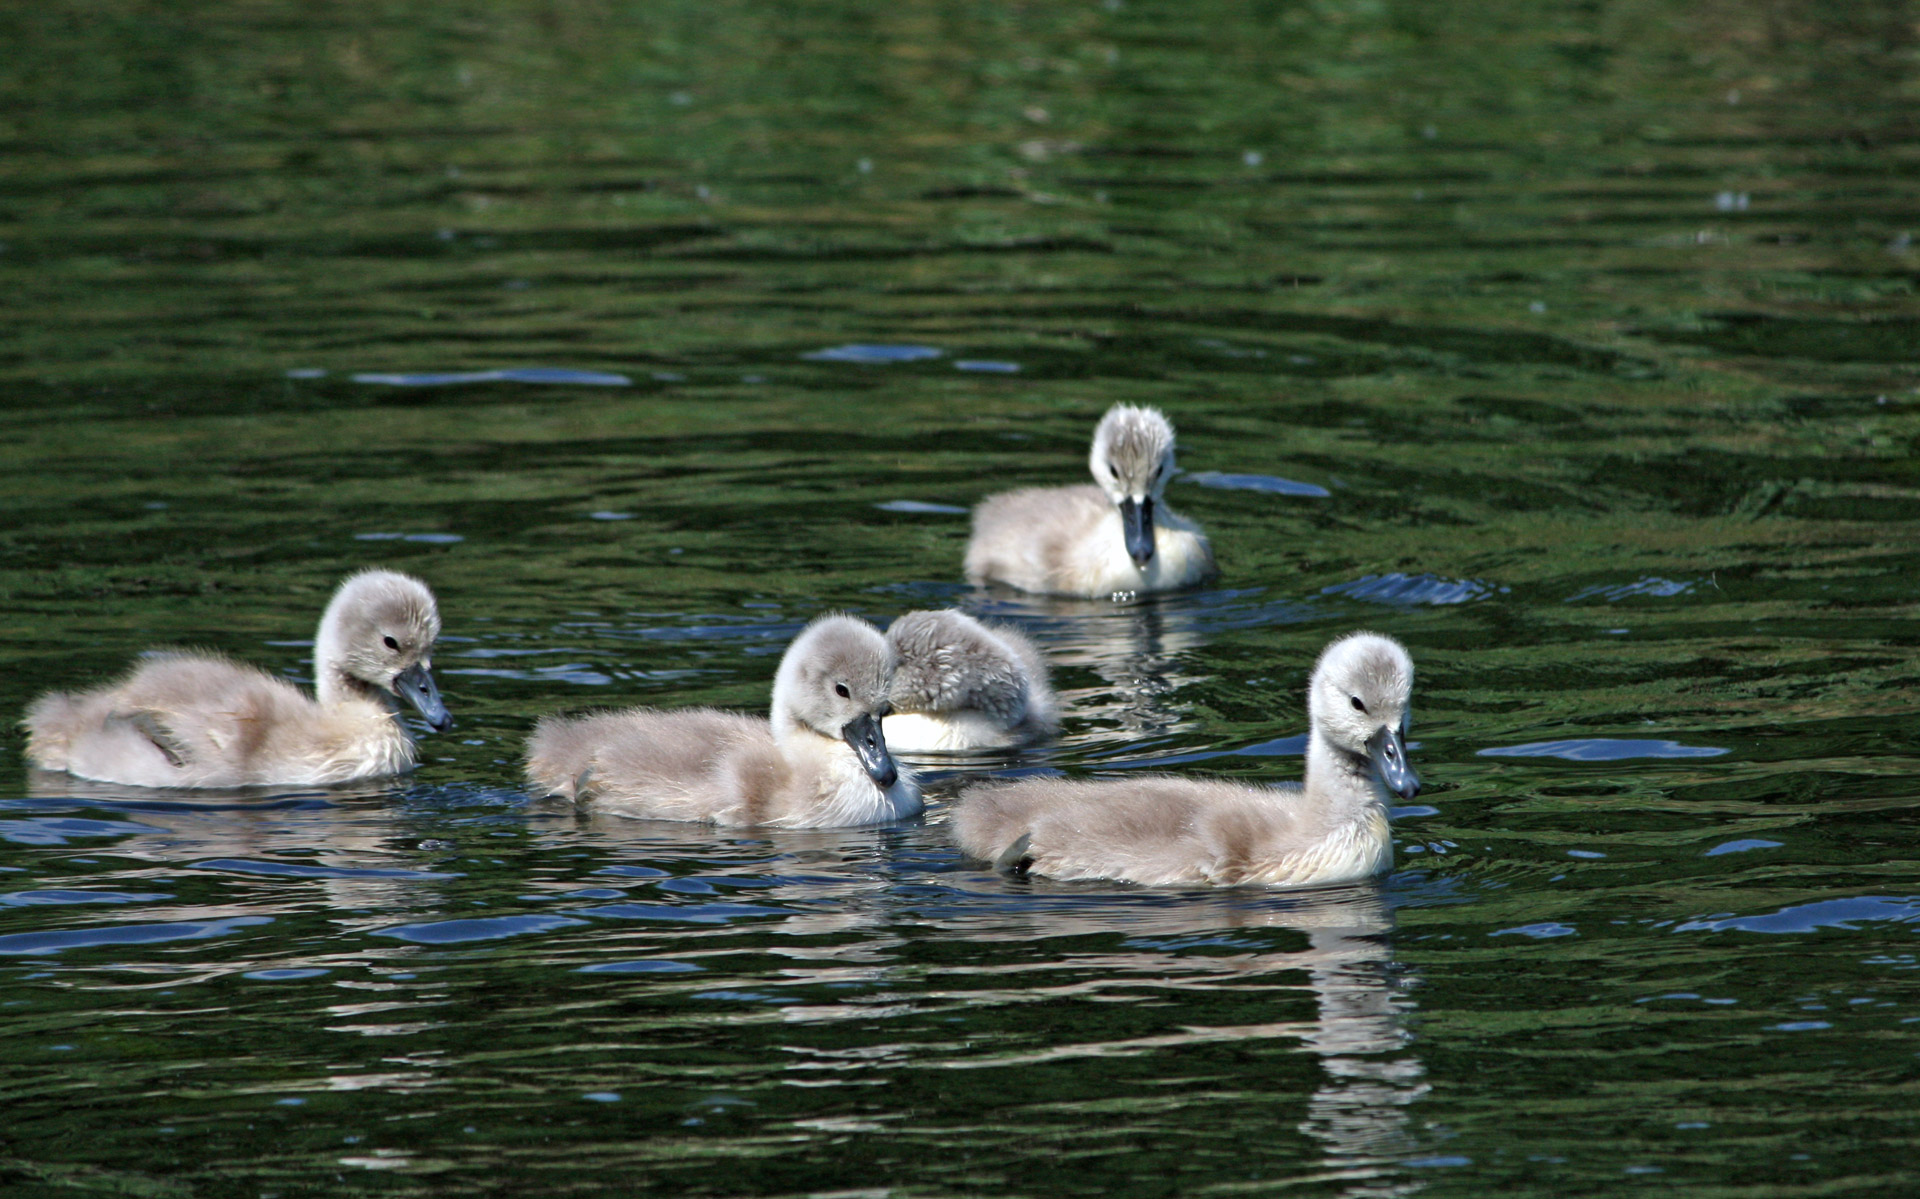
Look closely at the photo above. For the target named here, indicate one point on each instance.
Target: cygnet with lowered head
(963, 685)
(1169, 831)
(821, 762)
(188, 719)
(1116, 538)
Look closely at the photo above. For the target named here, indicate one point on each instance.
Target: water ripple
(530, 374)
(1601, 749)
(873, 353)
(1807, 917)
(1268, 483)
(123, 934)
(482, 928)
(1397, 588)
(303, 870)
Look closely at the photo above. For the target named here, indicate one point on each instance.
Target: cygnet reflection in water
(1117, 538)
(821, 762)
(962, 685)
(1142, 652)
(1164, 830)
(185, 719)
(1088, 941)
(354, 851)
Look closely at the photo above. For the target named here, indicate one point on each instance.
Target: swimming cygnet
(964, 685)
(188, 719)
(1111, 539)
(822, 761)
(1165, 830)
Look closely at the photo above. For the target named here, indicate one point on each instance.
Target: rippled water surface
(1574, 345)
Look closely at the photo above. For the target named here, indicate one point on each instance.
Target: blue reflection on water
(642, 966)
(124, 934)
(1601, 749)
(54, 830)
(528, 374)
(873, 353)
(1741, 846)
(1806, 917)
(484, 928)
(303, 870)
(1268, 483)
(1397, 588)
(38, 898)
(1615, 592)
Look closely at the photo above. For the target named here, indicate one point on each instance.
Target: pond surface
(1573, 345)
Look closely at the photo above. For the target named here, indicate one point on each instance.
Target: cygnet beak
(1389, 754)
(1136, 521)
(863, 734)
(415, 685)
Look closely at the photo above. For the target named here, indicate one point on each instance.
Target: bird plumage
(1164, 830)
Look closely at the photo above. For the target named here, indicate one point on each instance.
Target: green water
(1595, 324)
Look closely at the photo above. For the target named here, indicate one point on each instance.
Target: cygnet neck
(332, 684)
(1341, 779)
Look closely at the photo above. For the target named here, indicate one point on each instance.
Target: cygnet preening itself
(187, 719)
(1169, 831)
(964, 685)
(1113, 539)
(822, 761)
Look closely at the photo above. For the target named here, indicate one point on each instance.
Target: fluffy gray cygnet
(820, 762)
(1163, 830)
(189, 719)
(1116, 538)
(963, 685)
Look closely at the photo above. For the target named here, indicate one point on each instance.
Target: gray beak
(863, 733)
(415, 685)
(1389, 754)
(1136, 521)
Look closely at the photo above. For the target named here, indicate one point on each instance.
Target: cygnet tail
(560, 756)
(1016, 859)
(52, 722)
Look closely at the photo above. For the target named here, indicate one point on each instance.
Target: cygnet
(1117, 538)
(962, 685)
(821, 762)
(190, 719)
(1169, 831)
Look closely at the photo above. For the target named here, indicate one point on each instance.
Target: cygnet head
(1359, 700)
(835, 680)
(1132, 459)
(378, 632)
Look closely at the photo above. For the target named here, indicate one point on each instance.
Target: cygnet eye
(1113, 470)
(1357, 705)
(840, 689)
(391, 643)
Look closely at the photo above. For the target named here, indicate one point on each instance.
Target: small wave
(1397, 588)
(873, 353)
(1601, 749)
(528, 374)
(1613, 593)
(35, 944)
(1272, 484)
(483, 928)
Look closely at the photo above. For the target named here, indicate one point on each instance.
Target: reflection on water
(646, 334)
(1141, 651)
